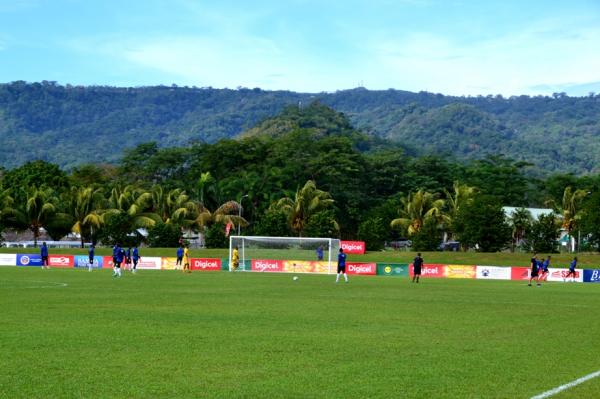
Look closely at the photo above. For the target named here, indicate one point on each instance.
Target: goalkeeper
(235, 258)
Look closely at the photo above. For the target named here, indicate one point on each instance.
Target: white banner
(493, 272)
(149, 263)
(555, 274)
(8, 259)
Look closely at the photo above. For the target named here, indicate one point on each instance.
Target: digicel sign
(61, 260)
(353, 247)
(268, 265)
(361, 268)
(430, 270)
(206, 264)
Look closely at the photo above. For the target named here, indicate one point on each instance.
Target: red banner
(430, 270)
(353, 247)
(61, 260)
(206, 264)
(361, 268)
(519, 273)
(267, 265)
(107, 262)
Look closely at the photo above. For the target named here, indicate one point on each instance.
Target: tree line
(312, 175)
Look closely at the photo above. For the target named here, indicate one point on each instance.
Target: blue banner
(591, 276)
(83, 261)
(29, 260)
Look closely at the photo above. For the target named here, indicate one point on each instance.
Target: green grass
(245, 335)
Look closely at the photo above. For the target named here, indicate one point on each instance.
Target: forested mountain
(70, 125)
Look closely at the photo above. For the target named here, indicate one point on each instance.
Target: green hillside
(70, 125)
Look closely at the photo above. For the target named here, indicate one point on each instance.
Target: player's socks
(337, 278)
(346, 277)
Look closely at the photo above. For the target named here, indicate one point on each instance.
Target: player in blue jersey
(118, 256)
(44, 255)
(572, 267)
(91, 258)
(341, 268)
(544, 269)
(179, 256)
(128, 259)
(135, 257)
(534, 270)
(417, 264)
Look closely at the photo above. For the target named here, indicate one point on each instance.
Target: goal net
(283, 254)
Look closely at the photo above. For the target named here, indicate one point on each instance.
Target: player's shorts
(417, 270)
(44, 260)
(534, 274)
(179, 259)
(341, 269)
(91, 260)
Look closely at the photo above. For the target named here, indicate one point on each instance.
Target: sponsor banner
(430, 270)
(520, 273)
(29, 260)
(206, 264)
(361, 268)
(460, 271)
(590, 276)
(353, 247)
(149, 263)
(8, 259)
(245, 265)
(306, 266)
(555, 274)
(493, 272)
(60, 260)
(107, 262)
(267, 265)
(170, 264)
(392, 269)
(82, 261)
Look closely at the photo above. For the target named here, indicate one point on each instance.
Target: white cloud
(518, 63)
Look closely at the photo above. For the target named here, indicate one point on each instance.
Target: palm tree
(416, 209)
(135, 203)
(40, 209)
(520, 221)
(85, 207)
(570, 206)
(307, 201)
(461, 195)
(229, 212)
(174, 206)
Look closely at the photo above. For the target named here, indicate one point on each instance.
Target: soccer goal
(284, 254)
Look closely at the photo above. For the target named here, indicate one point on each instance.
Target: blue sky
(451, 47)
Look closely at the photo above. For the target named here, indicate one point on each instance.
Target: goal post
(284, 254)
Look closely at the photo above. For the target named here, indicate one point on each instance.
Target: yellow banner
(460, 271)
(305, 266)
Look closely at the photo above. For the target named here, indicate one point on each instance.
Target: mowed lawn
(72, 333)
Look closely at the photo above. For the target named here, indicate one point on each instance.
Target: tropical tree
(520, 222)
(569, 208)
(85, 206)
(461, 195)
(308, 201)
(416, 208)
(40, 209)
(174, 206)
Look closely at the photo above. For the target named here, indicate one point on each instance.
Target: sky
(454, 47)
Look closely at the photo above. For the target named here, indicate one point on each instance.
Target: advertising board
(392, 269)
(29, 260)
(353, 247)
(82, 261)
(430, 270)
(60, 260)
(361, 268)
(460, 271)
(591, 276)
(8, 259)
(493, 273)
(267, 265)
(555, 274)
(206, 264)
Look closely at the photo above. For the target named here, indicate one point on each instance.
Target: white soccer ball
(295, 278)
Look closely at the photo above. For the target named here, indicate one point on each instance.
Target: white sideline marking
(571, 384)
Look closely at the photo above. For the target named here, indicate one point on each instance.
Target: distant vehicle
(401, 243)
(450, 246)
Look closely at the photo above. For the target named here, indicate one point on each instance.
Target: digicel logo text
(206, 264)
(352, 247)
(262, 265)
(360, 269)
(430, 270)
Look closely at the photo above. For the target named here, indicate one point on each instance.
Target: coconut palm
(307, 201)
(85, 206)
(520, 221)
(416, 209)
(461, 195)
(40, 209)
(173, 206)
(570, 207)
(135, 203)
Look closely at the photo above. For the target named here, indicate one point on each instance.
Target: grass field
(71, 333)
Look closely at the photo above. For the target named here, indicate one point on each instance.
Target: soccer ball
(295, 278)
